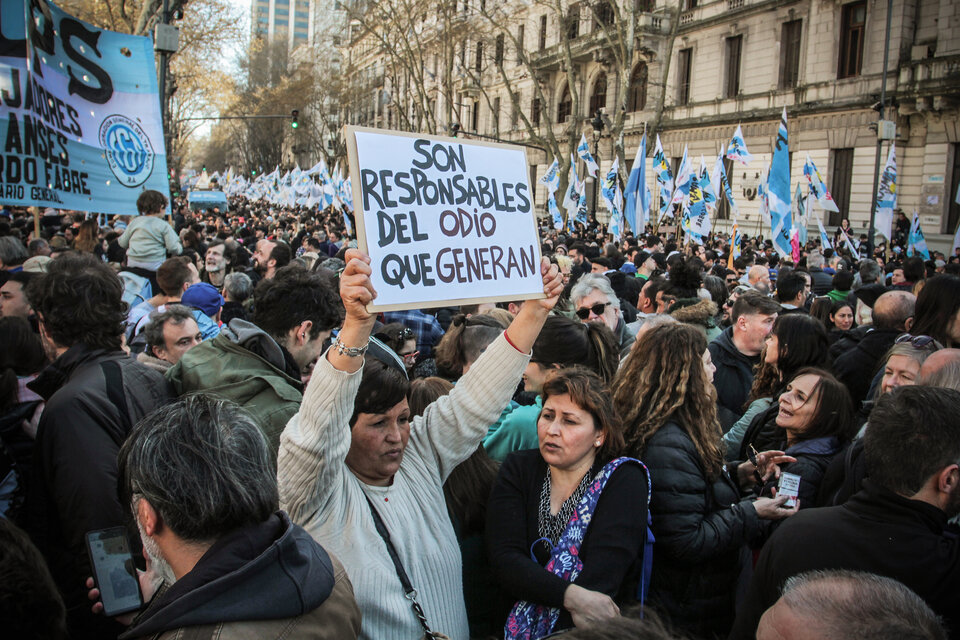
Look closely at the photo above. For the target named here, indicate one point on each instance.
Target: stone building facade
(724, 62)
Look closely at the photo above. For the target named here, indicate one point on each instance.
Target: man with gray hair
(198, 477)
(848, 605)
(237, 289)
(941, 369)
(12, 254)
(594, 301)
(822, 282)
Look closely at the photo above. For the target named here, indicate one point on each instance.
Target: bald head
(835, 605)
(893, 310)
(759, 278)
(941, 369)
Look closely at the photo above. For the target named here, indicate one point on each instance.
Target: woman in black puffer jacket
(665, 398)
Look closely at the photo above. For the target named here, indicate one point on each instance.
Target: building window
(605, 15)
(841, 175)
(637, 95)
(573, 22)
(684, 58)
(514, 110)
(790, 34)
(852, 22)
(565, 106)
(495, 116)
(463, 54)
(643, 6)
(478, 64)
(731, 87)
(498, 51)
(520, 45)
(543, 33)
(475, 121)
(535, 109)
(599, 98)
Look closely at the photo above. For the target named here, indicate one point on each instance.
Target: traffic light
(295, 114)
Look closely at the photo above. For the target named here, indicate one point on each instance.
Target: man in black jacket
(736, 352)
(892, 316)
(896, 526)
(94, 394)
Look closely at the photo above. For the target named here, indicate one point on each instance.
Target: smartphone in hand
(114, 571)
(789, 485)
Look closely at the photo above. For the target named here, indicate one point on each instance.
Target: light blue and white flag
(727, 189)
(571, 196)
(916, 243)
(817, 187)
(582, 202)
(778, 191)
(583, 150)
(696, 218)
(661, 170)
(887, 195)
(681, 184)
(737, 149)
(852, 246)
(824, 238)
(609, 184)
(555, 214)
(551, 179)
(636, 211)
(705, 182)
(762, 196)
(803, 217)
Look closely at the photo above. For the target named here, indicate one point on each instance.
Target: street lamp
(597, 124)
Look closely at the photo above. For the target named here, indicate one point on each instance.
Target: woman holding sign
(361, 476)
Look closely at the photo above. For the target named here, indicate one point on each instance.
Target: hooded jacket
(265, 581)
(699, 313)
(245, 365)
(733, 378)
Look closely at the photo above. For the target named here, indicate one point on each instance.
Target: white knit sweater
(322, 495)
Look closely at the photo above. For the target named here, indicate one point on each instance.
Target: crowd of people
(670, 443)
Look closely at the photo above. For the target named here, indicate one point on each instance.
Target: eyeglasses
(584, 312)
(919, 342)
(410, 357)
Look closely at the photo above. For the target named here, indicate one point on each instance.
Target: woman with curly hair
(667, 403)
(796, 341)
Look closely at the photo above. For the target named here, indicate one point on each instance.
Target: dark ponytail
(564, 342)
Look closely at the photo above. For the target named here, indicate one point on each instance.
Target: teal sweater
(516, 430)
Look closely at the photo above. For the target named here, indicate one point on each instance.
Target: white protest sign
(444, 221)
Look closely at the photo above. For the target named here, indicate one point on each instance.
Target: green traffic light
(294, 124)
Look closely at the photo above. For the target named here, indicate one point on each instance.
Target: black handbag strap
(408, 591)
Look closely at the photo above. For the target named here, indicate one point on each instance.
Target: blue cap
(629, 268)
(203, 296)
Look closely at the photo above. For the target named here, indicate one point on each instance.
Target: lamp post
(597, 124)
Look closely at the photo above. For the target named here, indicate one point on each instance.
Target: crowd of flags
(694, 195)
(313, 187)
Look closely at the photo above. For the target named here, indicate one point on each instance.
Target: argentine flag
(584, 152)
(737, 149)
(637, 192)
(778, 191)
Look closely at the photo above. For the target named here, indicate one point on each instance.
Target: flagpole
(883, 103)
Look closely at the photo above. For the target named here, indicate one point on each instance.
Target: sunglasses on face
(584, 312)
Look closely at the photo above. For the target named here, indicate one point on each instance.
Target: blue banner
(80, 115)
(778, 191)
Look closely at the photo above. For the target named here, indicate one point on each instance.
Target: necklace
(551, 526)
